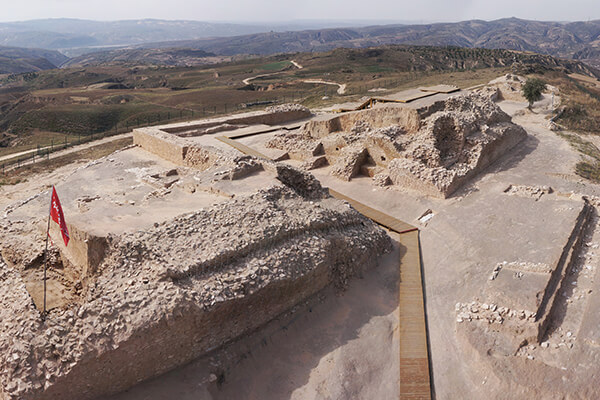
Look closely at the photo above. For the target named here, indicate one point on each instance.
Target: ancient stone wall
(378, 117)
(178, 338)
(164, 145)
(434, 149)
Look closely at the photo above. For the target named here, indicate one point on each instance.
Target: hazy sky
(285, 10)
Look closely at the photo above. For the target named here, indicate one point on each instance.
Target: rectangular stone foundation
(536, 291)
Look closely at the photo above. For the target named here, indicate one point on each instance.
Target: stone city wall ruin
(166, 262)
(433, 149)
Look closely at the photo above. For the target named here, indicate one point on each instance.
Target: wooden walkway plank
(381, 218)
(414, 355)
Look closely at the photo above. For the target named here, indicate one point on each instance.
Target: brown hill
(553, 38)
(15, 60)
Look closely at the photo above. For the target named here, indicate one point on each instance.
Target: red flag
(57, 215)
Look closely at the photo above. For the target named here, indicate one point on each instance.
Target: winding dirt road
(341, 86)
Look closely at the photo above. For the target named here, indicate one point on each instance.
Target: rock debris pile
(288, 107)
(490, 313)
(535, 192)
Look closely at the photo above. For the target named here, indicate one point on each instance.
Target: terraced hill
(15, 60)
(46, 106)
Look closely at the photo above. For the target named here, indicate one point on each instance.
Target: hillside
(170, 57)
(14, 60)
(572, 40)
(39, 107)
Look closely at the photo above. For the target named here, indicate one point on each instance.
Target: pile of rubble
(288, 107)
(535, 192)
(433, 149)
(491, 313)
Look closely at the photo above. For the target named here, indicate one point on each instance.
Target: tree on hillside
(532, 90)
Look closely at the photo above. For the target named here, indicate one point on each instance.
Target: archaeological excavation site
(273, 230)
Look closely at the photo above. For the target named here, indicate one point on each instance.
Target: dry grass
(35, 138)
(91, 153)
(581, 114)
(581, 101)
(589, 167)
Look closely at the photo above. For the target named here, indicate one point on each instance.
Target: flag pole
(46, 255)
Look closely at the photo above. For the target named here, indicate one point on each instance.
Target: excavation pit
(517, 301)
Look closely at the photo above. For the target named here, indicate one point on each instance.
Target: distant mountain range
(577, 40)
(65, 34)
(75, 37)
(123, 41)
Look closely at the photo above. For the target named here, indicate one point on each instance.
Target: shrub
(532, 90)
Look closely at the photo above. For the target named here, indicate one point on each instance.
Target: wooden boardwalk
(242, 147)
(414, 355)
(415, 383)
(382, 219)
